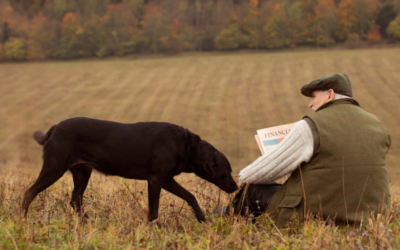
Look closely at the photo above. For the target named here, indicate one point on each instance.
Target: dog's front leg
(173, 187)
(154, 190)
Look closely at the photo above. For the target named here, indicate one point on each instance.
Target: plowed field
(224, 98)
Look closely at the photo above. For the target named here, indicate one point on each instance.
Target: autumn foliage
(69, 28)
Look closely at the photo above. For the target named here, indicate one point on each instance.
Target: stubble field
(224, 98)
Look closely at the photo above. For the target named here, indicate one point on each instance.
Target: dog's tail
(43, 138)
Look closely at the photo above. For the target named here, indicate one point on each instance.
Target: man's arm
(297, 147)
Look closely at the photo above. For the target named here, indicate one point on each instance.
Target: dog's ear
(209, 168)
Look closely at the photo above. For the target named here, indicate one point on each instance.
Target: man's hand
(241, 185)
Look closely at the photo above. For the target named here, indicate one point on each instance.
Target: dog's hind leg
(154, 190)
(173, 187)
(50, 173)
(81, 175)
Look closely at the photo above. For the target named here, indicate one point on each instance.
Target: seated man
(336, 157)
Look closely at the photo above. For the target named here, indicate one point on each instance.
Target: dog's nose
(233, 189)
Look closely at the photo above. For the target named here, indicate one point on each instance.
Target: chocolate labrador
(152, 151)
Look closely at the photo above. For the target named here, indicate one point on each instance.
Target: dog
(152, 151)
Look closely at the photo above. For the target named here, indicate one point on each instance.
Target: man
(336, 157)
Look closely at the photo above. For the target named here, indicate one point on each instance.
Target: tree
(347, 19)
(154, 28)
(230, 38)
(252, 25)
(72, 37)
(208, 18)
(374, 35)
(275, 30)
(41, 38)
(181, 34)
(396, 6)
(181, 37)
(293, 22)
(26, 7)
(393, 29)
(119, 31)
(386, 14)
(15, 49)
(17, 24)
(307, 31)
(60, 8)
(326, 20)
(365, 12)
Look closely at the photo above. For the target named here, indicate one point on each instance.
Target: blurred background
(221, 68)
(63, 29)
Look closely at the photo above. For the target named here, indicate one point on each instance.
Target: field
(224, 98)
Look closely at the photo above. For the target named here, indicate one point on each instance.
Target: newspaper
(268, 138)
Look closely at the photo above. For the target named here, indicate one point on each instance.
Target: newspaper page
(268, 138)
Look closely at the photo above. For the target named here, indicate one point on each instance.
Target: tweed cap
(340, 83)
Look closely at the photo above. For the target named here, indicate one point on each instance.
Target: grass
(224, 98)
(118, 210)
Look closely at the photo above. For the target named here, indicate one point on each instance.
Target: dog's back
(126, 150)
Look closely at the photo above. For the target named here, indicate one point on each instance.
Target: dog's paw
(156, 222)
(201, 218)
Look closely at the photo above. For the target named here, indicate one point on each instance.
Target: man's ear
(331, 94)
(209, 168)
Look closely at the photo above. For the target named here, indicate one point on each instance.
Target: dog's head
(213, 166)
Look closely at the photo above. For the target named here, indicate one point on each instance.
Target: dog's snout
(232, 189)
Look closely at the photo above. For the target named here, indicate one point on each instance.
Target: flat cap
(340, 83)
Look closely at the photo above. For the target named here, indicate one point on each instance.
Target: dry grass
(222, 97)
(117, 209)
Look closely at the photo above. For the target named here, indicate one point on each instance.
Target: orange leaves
(6, 14)
(114, 8)
(345, 9)
(14, 19)
(357, 16)
(253, 8)
(174, 26)
(325, 8)
(69, 17)
(152, 9)
(137, 25)
(253, 4)
(374, 35)
(152, 16)
(278, 7)
(346, 17)
(70, 23)
(252, 27)
(39, 18)
(326, 19)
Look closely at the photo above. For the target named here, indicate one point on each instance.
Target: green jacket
(347, 178)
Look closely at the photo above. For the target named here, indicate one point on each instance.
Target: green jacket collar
(338, 102)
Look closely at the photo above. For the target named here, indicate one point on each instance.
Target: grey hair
(337, 96)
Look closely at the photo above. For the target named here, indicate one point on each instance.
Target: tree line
(64, 29)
